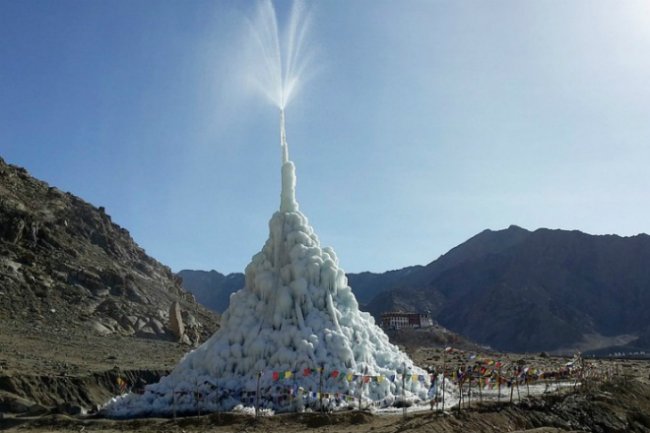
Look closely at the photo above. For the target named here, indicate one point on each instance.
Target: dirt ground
(53, 369)
(615, 407)
(52, 352)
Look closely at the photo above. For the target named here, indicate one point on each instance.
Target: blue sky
(423, 122)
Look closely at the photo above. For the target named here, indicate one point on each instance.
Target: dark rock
(523, 291)
(211, 289)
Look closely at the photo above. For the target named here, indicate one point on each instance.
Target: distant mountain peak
(521, 290)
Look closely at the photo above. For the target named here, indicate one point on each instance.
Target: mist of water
(280, 51)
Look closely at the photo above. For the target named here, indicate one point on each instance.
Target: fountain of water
(283, 57)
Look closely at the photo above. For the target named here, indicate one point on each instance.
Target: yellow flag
(287, 374)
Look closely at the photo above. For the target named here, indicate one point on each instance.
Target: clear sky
(423, 123)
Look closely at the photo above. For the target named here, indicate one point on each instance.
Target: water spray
(283, 139)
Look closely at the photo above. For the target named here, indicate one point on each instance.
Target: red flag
(276, 375)
(306, 372)
(335, 374)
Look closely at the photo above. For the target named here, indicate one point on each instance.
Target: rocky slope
(544, 290)
(518, 290)
(211, 288)
(65, 266)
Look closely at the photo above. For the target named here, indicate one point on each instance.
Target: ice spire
(288, 195)
(295, 314)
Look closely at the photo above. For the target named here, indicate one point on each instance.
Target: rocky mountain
(544, 290)
(521, 290)
(211, 288)
(64, 265)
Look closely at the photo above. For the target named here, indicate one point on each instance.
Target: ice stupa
(292, 337)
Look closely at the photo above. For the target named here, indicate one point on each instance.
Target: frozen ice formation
(295, 316)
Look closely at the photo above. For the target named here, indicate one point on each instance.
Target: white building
(399, 319)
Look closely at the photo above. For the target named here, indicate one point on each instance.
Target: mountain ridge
(521, 290)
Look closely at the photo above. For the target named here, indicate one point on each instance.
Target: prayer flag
(288, 374)
(335, 374)
(306, 372)
(276, 375)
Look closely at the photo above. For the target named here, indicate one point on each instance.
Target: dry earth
(52, 374)
(615, 407)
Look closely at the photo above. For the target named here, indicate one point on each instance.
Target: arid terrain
(86, 315)
(48, 379)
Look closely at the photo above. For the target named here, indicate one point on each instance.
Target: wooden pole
(360, 392)
(434, 385)
(469, 393)
(257, 394)
(198, 397)
(444, 370)
(403, 390)
(518, 395)
(174, 401)
(512, 388)
(499, 383)
(460, 397)
(216, 396)
(320, 387)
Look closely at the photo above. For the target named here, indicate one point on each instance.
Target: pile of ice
(295, 331)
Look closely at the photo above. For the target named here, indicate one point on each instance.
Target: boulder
(176, 321)
(100, 328)
(157, 326)
(146, 331)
